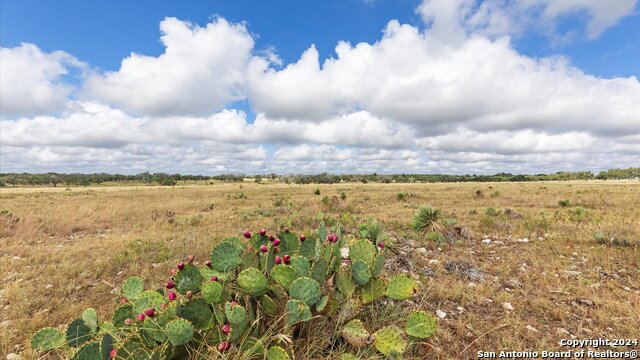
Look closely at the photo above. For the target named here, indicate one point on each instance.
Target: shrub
(479, 193)
(343, 196)
(401, 196)
(372, 230)
(325, 200)
(579, 214)
(495, 194)
(491, 212)
(252, 299)
(427, 219)
(436, 237)
(564, 203)
(316, 192)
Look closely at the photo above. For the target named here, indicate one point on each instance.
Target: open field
(60, 250)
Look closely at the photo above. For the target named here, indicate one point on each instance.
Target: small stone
(421, 250)
(14, 356)
(49, 286)
(344, 252)
(571, 272)
(460, 309)
(486, 241)
(441, 314)
(626, 288)
(5, 324)
(434, 262)
(531, 328)
(562, 331)
(16, 258)
(507, 306)
(524, 240)
(471, 285)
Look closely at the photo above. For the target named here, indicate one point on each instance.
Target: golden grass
(80, 241)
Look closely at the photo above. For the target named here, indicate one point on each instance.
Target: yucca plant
(427, 219)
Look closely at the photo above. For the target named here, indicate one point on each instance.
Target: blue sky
(104, 32)
(531, 86)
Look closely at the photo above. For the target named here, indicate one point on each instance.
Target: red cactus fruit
(163, 306)
(303, 238)
(208, 263)
(264, 248)
(123, 301)
(224, 346)
(180, 266)
(150, 312)
(140, 317)
(286, 259)
(170, 285)
(233, 302)
(113, 353)
(286, 229)
(190, 259)
(226, 328)
(276, 242)
(263, 232)
(271, 237)
(381, 244)
(173, 272)
(214, 278)
(278, 259)
(247, 234)
(128, 322)
(171, 296)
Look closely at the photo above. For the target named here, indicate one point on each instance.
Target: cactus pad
(154, 330)
(322, 303)
(421, 325)
(301, 264)
(188, 279)
(289, 243)
(77, 333)
(360, 272)
(179, 332)
(297, 312)
(362, 250)
(121, 314)
(305, 289)
(372, 291)
(284, 275)
(401, 287)
(344, 282)
(132, 288)
(225, 256)
(277, 353)
(308, 247)
(212, 292)
(235, 314)
(355, 334)
(250, 259)
(106, 345)
(197, 311)
(90, 318)
(378, 265)
(269, 305)
(347, 357)
(90, 351)
(253, 282)
(319, 271)
(47, 339)
(390, 341)
(207, 273)
(349, 309)
(148, 299)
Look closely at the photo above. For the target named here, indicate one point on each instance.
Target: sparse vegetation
(427, 219)
(564, 203)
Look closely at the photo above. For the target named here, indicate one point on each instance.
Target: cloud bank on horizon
(452, 96)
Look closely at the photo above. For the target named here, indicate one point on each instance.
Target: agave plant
(427, 219)
(249, 300)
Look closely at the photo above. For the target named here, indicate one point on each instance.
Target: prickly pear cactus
(277, 353)
(305, 289)
(355, 334)
(236, 314)
(360, 272)
(284, 275)
(47, 339)
(390, 341)
(401, 287)
(253, 282)
(297, 311)
(179, 332)
(421, 325)
(132, 288)
(243, 292)
(188, 279)
(362, 250)
(212, 292)
(226, 256)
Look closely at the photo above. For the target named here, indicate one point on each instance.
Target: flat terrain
(60, 249)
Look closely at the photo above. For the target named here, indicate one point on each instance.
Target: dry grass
(67, 246)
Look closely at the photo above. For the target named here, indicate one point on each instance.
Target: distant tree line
(55, 179)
